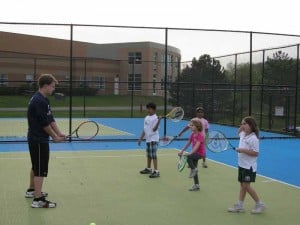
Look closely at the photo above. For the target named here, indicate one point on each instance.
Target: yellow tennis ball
(92, 224)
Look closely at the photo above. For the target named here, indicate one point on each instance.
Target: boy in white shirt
(150, 133)
(247, 160)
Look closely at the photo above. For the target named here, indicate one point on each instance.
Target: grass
(105, 187)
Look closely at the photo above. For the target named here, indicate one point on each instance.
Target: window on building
(3, 79)
(135, 57)
(162, 84)
(134, 82)
(100, 82)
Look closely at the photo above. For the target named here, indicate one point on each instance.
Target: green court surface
(106, 188)
(19, 127)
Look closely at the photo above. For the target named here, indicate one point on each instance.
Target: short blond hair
(197, 123)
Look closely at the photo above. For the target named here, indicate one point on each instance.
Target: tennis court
(99, 182)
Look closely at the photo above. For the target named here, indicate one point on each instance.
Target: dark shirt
(38, 116)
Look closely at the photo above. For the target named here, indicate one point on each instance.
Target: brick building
(116, 68)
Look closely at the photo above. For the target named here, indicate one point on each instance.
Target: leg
(192, 160)
(31, 182)
(196, 179)
(155, 163)
(252, 193)
(148, 162)
(38, 185)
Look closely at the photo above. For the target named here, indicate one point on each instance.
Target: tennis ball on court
(92, 224)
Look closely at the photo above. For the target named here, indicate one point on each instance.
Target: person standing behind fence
(205, 125)
(41, 125)
(150, 132)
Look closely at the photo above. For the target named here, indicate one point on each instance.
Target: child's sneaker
(30, 193)
(155, 174)
(236, 208)
(42, 203)
(193, 172)
(146, 171)
(259, 208)
(195, 187)
(204, 165)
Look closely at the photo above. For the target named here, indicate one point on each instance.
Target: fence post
(71, 80)
(296, 94)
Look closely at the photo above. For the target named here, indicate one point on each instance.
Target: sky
(255, 15)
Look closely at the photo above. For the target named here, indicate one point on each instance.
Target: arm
(185, 147)
(56, 129)
(48, 129)
(183, 130)
(157, 124)
(141, 138)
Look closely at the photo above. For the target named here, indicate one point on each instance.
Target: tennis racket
(217, 142)
(166, 140)
(176, 114)
(182, 160)
(86, 130)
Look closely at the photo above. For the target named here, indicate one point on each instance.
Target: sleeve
(254, 144)
(41, 113)
(207, 125)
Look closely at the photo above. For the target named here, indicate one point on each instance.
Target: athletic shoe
(42, 203)
(146, 171)
(195, 187)
(259, 208)
(155, 174)
(193, 173)
(237, 208)
(30, 193)
(204, 165)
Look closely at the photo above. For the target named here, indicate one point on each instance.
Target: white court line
(269, 178)
(143, 155)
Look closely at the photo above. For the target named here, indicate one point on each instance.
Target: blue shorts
(152, 149)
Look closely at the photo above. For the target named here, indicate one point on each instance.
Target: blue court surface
(278, 159)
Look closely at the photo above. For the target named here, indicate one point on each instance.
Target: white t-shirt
(250, 142)
(149, 123)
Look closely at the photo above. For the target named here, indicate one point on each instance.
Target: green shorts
(246, 175)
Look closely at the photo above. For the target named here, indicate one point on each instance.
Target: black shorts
(246, 175)
(39, 154)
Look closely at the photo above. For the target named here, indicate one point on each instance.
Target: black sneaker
(155, 174)
(42, 203)
(146, 171)
(30, 193)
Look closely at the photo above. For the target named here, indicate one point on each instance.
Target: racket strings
(217, 142)
(87, 130)
(176, 114)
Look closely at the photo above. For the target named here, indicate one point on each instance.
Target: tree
(203, 82)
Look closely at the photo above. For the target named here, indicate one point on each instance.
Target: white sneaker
(42, 203)
(193, 173)
(259, 208)
(236, 208)
(195, 187)
(30, 193)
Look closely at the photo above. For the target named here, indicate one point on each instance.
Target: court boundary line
(263, 176)
(142, 155)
